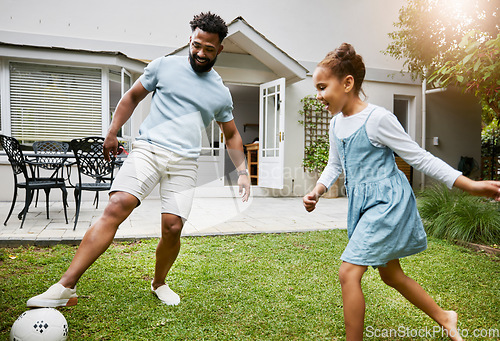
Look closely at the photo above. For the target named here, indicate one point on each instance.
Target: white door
(271, 133)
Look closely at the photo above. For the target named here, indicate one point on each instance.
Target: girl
(383, 221)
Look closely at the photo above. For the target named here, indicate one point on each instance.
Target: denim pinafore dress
(383, 221)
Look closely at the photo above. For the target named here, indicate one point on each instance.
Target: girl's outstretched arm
(487, 188)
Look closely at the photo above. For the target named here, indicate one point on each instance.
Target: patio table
(32, 159)
(68, 159)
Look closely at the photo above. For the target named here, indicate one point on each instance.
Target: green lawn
(250, 287)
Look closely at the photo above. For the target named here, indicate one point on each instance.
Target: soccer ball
(45, 324)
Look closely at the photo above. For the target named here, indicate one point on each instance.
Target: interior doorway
(402, 111)
(246, 117)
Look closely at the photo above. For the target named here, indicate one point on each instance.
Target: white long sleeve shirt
(384, 129)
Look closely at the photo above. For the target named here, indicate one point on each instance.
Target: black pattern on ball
(41, 326)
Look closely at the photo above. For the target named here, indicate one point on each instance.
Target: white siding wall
(454, 118)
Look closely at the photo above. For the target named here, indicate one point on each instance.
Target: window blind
(50, 102)
(1, 103)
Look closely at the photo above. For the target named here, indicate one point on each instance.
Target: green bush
(456, 215)
(490, 147)
(490, 139)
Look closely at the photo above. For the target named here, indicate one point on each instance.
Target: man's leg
(168, 247)
(99, 236)
(177, 191)
(95, 241)
(166, 254)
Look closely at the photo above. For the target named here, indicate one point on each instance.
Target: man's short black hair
(211, 23)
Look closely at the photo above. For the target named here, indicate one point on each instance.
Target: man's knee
(120, 205)
(171, 226)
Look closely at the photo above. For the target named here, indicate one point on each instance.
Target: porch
(209, 216)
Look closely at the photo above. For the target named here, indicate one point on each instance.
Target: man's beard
(201, 68)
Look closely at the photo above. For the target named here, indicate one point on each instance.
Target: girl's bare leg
(354, 302)
(394, 276)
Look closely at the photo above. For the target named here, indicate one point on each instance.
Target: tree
(451, 42)
(477, 72)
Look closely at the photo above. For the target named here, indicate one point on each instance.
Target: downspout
(424, 122)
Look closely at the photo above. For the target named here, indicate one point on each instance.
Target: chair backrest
(50, 147)
(90, 157)
(12, 148)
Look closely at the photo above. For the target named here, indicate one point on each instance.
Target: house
(266, 83)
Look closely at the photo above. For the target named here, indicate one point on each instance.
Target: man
(187, 95)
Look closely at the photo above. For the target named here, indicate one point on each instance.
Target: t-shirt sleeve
(149, 78)
(391, 133)
(226, 113)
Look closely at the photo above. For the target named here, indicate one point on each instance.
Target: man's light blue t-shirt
(184, 103)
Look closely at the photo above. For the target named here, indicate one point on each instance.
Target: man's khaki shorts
(148, 165)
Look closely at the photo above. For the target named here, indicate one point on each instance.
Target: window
(126, 84)
(1, 130)
(119, 83)
(210, 145)
(2, 98)
(50, 102)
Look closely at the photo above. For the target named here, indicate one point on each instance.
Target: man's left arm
(234, 146)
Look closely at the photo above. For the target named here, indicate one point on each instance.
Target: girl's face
(331, 91)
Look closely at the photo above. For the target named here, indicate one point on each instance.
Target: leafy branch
(478, 72)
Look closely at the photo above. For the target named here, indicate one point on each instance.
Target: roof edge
(57, 48)
(241, 19)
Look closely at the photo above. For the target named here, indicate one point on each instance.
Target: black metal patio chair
(90, 162)
(55, 166)
(20, 165)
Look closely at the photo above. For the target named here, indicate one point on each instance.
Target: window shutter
(50, 102)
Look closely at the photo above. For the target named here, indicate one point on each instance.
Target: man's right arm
(123, 111)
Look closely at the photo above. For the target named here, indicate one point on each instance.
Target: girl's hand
(310, 200)
(487, 188)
